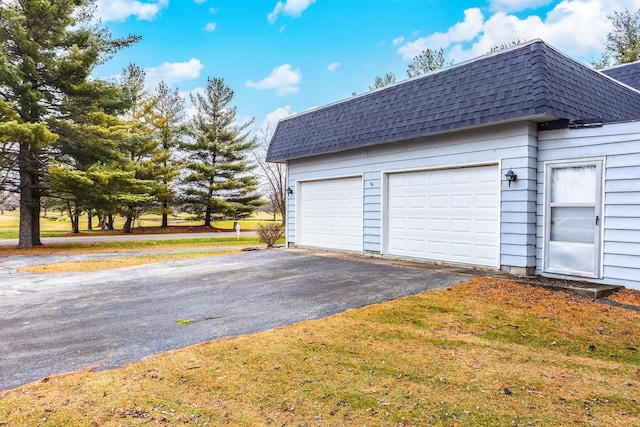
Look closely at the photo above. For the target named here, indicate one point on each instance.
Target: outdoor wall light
(289, 190)
(511, 176)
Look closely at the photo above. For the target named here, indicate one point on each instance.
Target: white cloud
(174, 72)
(576, 27)
(292, 8)
(283, 79)
(333, 66)
(269, 124)
(211, 26)
(398, 40)
(121, 10)
(461, 32)
(516, 5)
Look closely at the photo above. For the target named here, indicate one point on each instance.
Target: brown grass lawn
(122, 261)
(486, 352)
(174, 249)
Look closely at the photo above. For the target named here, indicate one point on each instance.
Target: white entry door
(330, 214)
(573, 218)
(450, 215)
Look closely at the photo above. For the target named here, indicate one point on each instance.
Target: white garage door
(331, 214)
(450, 215)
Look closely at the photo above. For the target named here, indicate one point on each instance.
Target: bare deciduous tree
(623, 42)
(383, 81)
(427, 61)
(273, 175)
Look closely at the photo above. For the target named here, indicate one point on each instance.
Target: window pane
(573, 184)
(573, 225)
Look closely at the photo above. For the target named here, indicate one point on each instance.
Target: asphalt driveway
(64, 322)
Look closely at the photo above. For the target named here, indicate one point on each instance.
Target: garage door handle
(597, 219)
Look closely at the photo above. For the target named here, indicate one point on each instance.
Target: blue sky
(287, 56)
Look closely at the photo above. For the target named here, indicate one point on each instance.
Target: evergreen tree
(139, 146)
(165, 115)
(13, 129)
(219, 183)
(49, 49)
(83, 147)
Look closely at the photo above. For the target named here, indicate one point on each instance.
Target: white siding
(513, 146)
(372, 212)
(619, 145)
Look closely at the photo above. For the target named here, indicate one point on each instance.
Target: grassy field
(50, 228)
(53, 226)
(180, 248)
(485, 352)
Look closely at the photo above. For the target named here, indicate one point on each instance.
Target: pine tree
(219, 183)
(165, 115)
(139, 146)
(82, 148)
(48, 50)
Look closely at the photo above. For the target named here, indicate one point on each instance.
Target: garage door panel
(461, 225)
(436, 247)
(416, 201)
(461, 250)
(458, 220)
(437, 224)
(438, 202)
(331, 214)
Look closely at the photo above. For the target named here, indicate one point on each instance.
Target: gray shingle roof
(530, 81)
(628, 74)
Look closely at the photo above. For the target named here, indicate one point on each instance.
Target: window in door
(573, 218)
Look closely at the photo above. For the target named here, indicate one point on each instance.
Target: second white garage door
(330, 214)
(450, 215)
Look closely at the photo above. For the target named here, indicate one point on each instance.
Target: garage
(330, 214)
(450, 215)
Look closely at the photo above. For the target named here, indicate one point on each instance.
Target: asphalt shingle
(531, 80)
(628, 74)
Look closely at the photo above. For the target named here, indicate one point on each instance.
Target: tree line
(109, 148)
